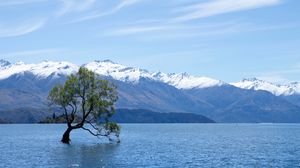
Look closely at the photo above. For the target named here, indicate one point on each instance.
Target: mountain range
(24, 87)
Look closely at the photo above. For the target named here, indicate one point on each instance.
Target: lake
(153, 145)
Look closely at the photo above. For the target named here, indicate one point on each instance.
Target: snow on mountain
(41, 70)
(276, 89)
(107, 68)
(4, 63)
(129, 74)
(295, 87)
(186, 81)
(117, 71)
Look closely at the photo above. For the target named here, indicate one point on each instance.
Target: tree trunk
(66, 136)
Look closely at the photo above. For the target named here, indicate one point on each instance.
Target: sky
(222, 39)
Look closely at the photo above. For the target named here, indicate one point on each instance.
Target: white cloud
(75, 6)
(118, 7)
(19, 30)
(157, 26)
(217, 7)
(157, 30)
(29, 53)
(18, 2)
(135, 30)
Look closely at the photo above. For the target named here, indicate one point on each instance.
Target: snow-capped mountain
(130, 74)
(186, 81)
(133, 75)
(117, 71)
(24, 87)
(41, 70)
(107, 68)
(4, 63)
(276, 89)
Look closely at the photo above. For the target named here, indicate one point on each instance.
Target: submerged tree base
(66, 140)
(66, 137)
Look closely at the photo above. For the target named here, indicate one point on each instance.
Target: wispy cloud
(158, 26)
(160, 30)
(217, 7)
(30, 53)
(18, 2)
(118, 7)
(19, 30)
(75, 6)
(135, 30)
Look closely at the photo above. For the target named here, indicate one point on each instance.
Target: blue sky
(222, 39)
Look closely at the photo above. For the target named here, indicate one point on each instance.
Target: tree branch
(95, 134)
(93, 126)
(67, 118)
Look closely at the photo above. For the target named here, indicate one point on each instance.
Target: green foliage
(91, 97)
(112, 127)
(58, 119)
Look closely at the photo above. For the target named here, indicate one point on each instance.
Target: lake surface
(154, 145)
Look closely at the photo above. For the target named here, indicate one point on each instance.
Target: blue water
(154, 145)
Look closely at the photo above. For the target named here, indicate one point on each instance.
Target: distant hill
(147, 116)
(24, 115)
(3, 122)
(144, 116)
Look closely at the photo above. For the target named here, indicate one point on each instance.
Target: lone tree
(87, 103)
